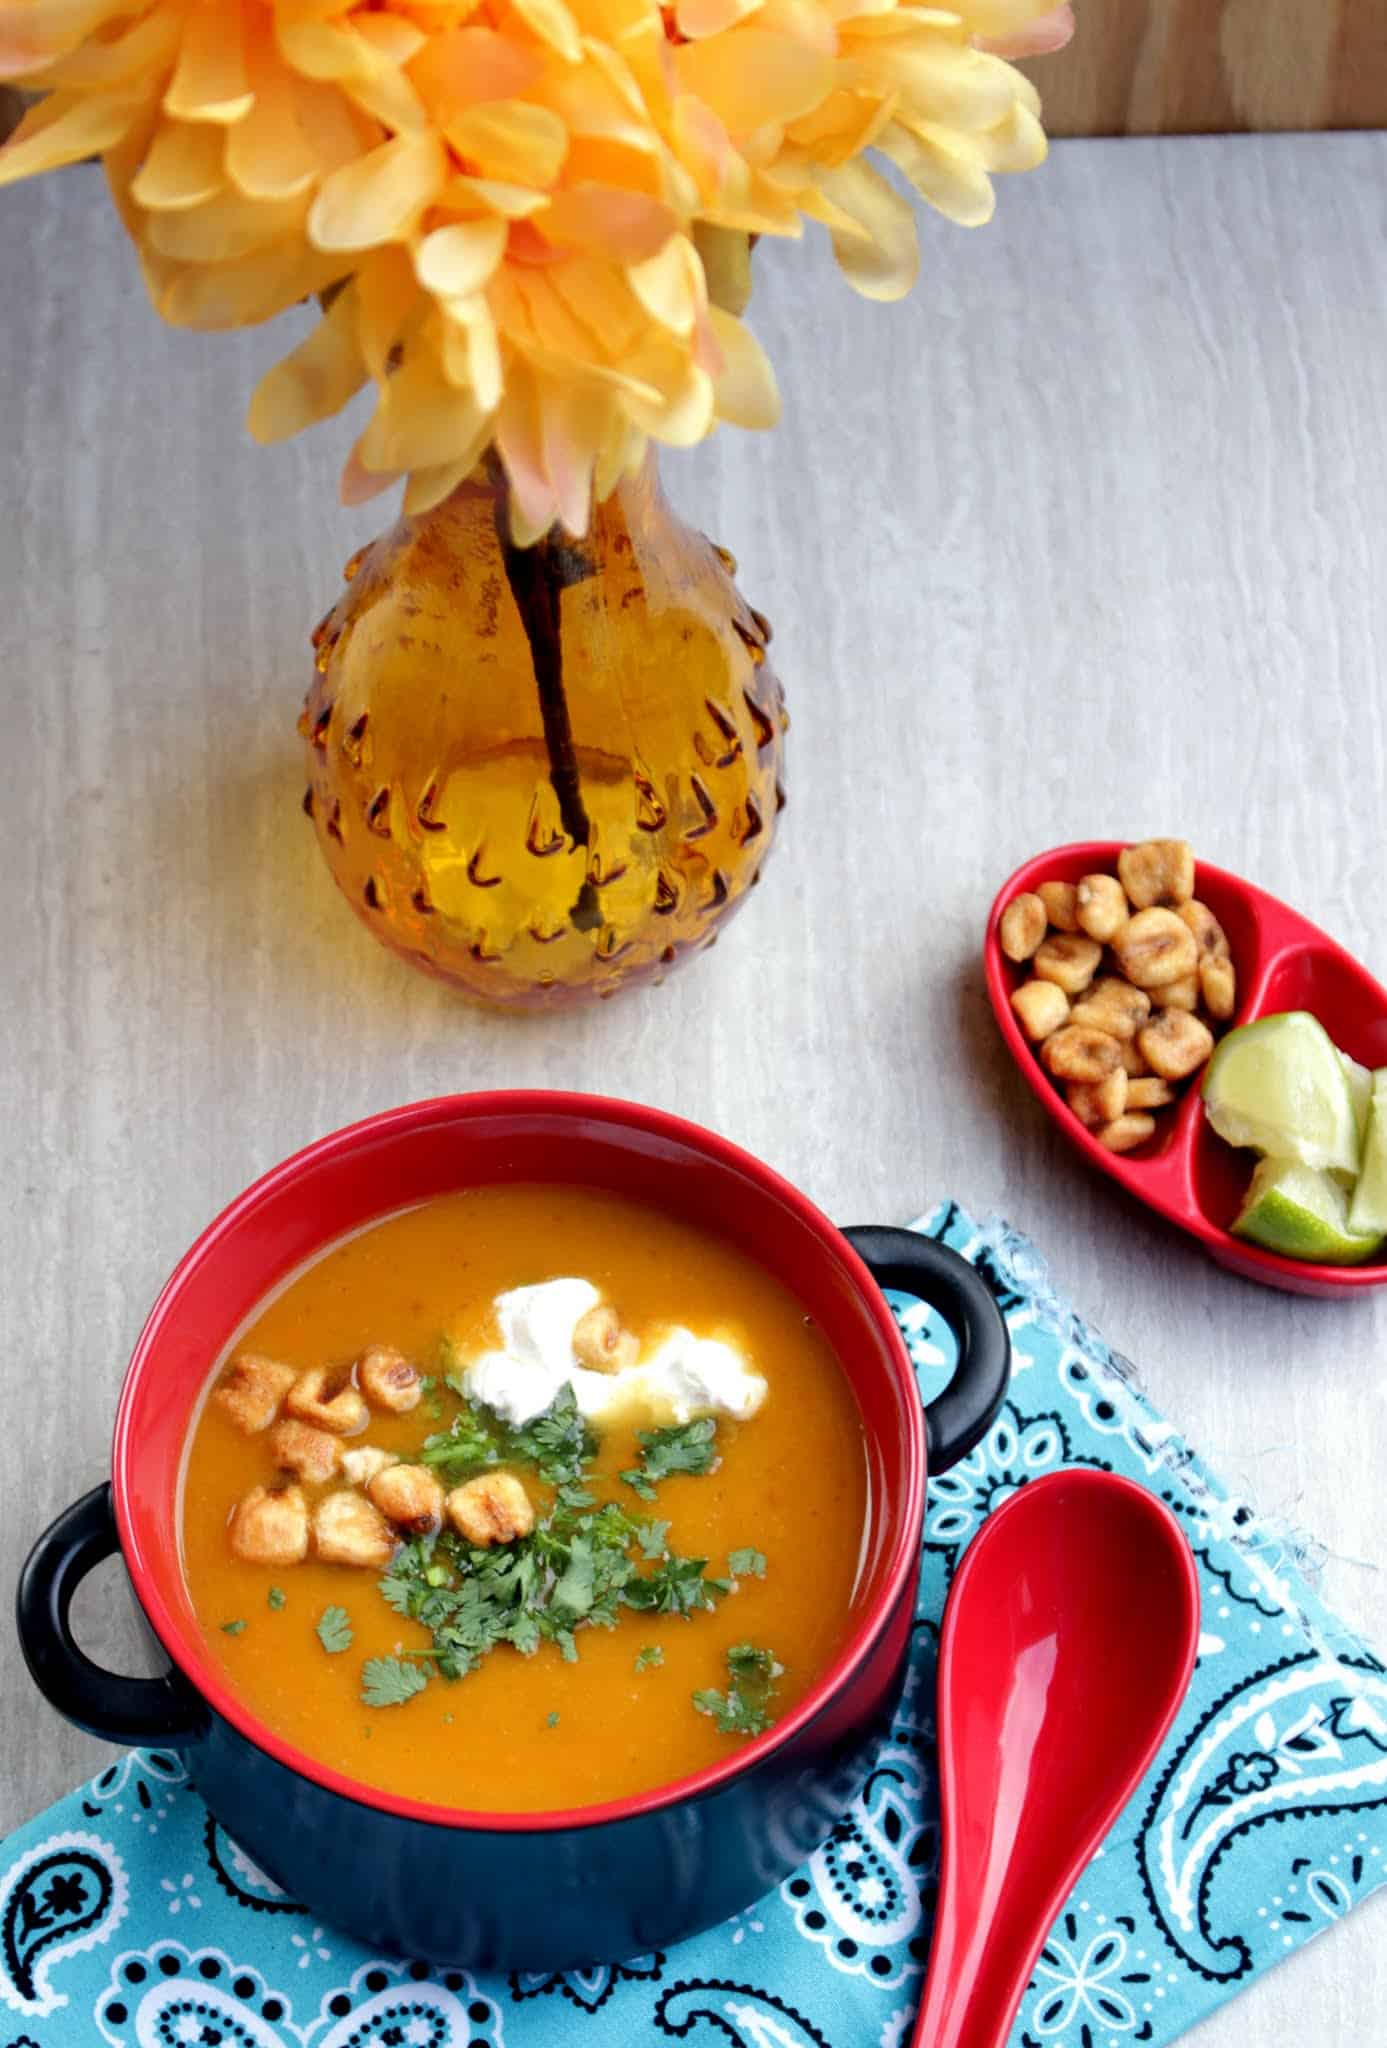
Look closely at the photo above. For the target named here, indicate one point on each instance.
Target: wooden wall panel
(1192, 67)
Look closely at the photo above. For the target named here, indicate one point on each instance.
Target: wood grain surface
(1177, 67)
(1085, 539)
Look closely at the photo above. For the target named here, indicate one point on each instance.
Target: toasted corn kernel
(1074, 1054)
(1022, 926)
(329, 1400)
(1101, 906)
(1149, 1092)
(1159, 871)
(1061, 906)
(1069, 960)
(1125, 1133)
(409, 1496)
(1207, 932)
(1154, 947)
(600, 1343)
(361, 1466)
(1101, 1102)
(251, 1389)
(1042, 1008)
(1113, 1006)
(1179, 995)
(1176, 1043)
(270, 1526)
(1218, 984)
(388, 1380)
(492, 1508)
(348, 1530)
(307, 1452)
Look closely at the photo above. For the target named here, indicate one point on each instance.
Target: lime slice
(1303, 1214)
(1360, 1087)
(1368, 1211)
(1279, 1086)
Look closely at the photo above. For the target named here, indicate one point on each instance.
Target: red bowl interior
(407, 1155)
(1185, 1171)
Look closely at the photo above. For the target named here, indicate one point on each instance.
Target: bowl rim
(903, 1517)
(1252, 1261)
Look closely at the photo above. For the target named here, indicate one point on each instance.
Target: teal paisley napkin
(129, 1917)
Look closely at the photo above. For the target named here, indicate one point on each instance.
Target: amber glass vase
(543, 773)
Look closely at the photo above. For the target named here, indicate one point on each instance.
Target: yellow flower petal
(240, 294)
(710, 17)
(377, 197)
(457, 260)
(511, 140)
(553, 24)
(753, 77)
(147, 46)
(471, 352)
(429, 487)
(745, 392)
(388, 300)
(944, 171)
(62, 130)
(268, 155)
(32, 37)
(210, 81)
(224, 228)
(183, 168)
(882, 259)
(464, 65)
(670, 285)
(315, 380)
(422, 419)
(516, 202)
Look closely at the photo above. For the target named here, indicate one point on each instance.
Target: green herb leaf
(743, 1708)
(556, 1443)
(676, 1586)
(232, 1628)
(652, 1538)
(682, 1447)
(551, 1720)
(334, 1630)
(274, 1599)
(650, 1658)
(573, 1594)
(746, 1564)
(390, 1681)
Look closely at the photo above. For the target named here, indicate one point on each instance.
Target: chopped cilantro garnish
(746, 1564)
(232, 1628)
(551, 1720)
(742, 1709)
(650, 1658)
(651, 1538)
(676, 1587)
(334, 1630)
(557, 1443)
(682, 1447)
(274, 1599)
(389, 1681)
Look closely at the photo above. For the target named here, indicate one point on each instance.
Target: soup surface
(628, 1683)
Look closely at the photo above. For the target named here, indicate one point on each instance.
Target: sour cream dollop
(684, 1376)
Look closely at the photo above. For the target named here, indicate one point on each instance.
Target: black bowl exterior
(553, 1898)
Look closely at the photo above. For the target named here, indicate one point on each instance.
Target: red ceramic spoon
(1185, 1172)
(1068, 1644)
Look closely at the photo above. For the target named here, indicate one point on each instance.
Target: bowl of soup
(526, 1491)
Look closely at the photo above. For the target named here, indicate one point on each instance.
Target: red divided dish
(1185, 1172)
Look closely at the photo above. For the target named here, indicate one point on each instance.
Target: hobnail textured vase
(543, 773)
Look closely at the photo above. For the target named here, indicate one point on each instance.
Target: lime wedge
(1360, 1087)
(1303, 1214)
(1368, 1211)
(1279, 1086)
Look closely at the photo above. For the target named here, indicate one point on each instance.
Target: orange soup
(502, 1606)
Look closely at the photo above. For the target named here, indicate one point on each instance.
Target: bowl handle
(961, 1416)
(160, 1712)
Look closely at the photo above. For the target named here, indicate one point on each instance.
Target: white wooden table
(1086, 539)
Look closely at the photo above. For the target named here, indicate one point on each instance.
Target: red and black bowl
(524, 1890)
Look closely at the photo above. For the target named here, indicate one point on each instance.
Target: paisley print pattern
(1264, 1821)
(62, 1897)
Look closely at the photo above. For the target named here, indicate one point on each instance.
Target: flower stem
(538, 576)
